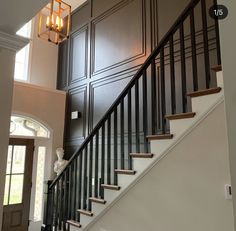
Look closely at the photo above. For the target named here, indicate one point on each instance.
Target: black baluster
(159, 121)
(217, 38)
(154, 97)
(53, 207)
(172, 76)
(48, 208)
(137, 116)
(69, 192)
(122, 148)
(96, 165)
(183, 68)
(103, 162)
(145, 110)
(163, 91)
(129, 129)
(60, 201)
(80, 170)
(205, 42)
(56, 205)
(65, 199)
(194, 54)
(85, 181)
(115, 146)
(74, 197)
(90, 173)
(109, 150)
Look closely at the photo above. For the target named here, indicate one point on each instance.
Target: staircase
(151, 114)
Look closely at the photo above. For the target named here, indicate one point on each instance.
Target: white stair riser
(139, 164)
(203, 103)
(161, 146)
(85, 220)
(110, 195)
(97, 208)
(219, 79)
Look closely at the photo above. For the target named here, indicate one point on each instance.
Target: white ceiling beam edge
(12, 42)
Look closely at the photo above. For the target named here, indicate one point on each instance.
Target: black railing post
(172, 75)
(217, 37)
(47, 226)
(145, 111)
(154, 97)
(80, 181)
(103, 162)
(163, 90)
(194, 53)
(96, 180)
(109, 150)
(205, 43)
(85, 179)
(137, 129)
(183, 68)
(122, 138)
(90, 174)
(115, 147)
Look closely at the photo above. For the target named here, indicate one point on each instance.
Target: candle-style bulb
(47, 22)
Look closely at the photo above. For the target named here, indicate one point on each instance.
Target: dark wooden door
(18, 185)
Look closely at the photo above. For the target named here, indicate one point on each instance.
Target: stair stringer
(203, 106)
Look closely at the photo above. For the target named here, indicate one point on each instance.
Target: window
(23, 126)
(38, 205)
(14, 175)
(22, 56)
(25, 31)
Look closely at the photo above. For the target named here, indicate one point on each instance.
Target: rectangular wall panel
(77, 102)
(118, 36)
(79, 55)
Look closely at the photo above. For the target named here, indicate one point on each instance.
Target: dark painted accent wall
(110, 40)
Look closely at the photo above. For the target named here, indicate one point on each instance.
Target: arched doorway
(28, 128)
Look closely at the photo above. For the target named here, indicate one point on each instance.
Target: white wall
(43, 60)
(228, 49)
(184, 191)
(48, 106)
(7, 59)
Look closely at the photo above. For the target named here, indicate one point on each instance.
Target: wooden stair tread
(180, 116)
(97, 200)
(141, 155)
(110, 186)
(204, 92)
(126, 172)
(74, 223)
(85, 212)
(160, 137)
(217, 68)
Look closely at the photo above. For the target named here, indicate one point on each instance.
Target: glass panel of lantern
(54, 21)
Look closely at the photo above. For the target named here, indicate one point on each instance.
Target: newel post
(47, 226)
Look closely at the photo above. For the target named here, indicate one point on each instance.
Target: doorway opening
(27, 128)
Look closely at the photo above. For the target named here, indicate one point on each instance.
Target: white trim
(26, 84)
(12, 42)
(31, 50)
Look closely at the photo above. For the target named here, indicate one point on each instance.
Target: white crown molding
(12, 42)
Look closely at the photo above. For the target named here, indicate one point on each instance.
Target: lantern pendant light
(54, 21)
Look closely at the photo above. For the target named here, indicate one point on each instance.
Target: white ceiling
(15, 13)
(74, 3)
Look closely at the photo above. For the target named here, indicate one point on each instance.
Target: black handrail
(76, 181)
